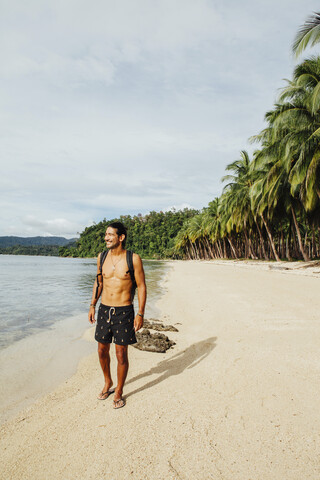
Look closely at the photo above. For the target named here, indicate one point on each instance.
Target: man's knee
(103, 350)
(122, 354)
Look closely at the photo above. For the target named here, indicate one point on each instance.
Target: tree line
(42, 250)
(270, 207)
(151, 235)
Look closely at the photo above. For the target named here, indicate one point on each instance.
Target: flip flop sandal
(118, 403)
(105, 395)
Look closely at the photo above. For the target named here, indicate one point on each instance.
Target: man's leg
(104, 358)
(122, 370)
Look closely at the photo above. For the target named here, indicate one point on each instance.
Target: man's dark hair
(121, 230)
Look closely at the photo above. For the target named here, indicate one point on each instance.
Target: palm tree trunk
(270, 239)
(215, 250)
(288, 241)
(247, 248)
(282, 244)
(209, 248)
(197, 250)
(206, 250)
(219, 249)
(288, 250)
(314, 251)
(262, 243)
(232, 248)
(194, 255)
(302, 250)
(295, 247)
(224, 248)
(251, 249)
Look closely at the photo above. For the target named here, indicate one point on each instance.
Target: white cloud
(182, 206)
(56, 226)
(110, 108)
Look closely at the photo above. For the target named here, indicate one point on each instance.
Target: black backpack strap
(103, 256)
(131, 271)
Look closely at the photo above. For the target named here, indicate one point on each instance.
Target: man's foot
(105, 392)
(119, 403)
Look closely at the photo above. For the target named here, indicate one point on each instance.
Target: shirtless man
(116, 315)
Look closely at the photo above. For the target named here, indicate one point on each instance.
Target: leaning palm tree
(238, 201)
(301, 110)
(308, 34)
(262, 164)
(289, 146)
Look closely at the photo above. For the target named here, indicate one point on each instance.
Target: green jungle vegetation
(32, 241)
(46, 250)
(151, 236)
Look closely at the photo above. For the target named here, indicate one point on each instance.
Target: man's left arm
(142, 290)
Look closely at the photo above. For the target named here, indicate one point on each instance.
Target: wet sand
(237, 397)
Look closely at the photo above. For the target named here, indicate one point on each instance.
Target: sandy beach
(235, 399)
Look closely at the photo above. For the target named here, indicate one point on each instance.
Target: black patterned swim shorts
(116, 323)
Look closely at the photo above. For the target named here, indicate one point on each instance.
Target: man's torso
(117, 282)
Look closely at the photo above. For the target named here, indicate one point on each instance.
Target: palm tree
(271, 205)
(301, 110)
(284, 147)
(237, 200)
(308, 34)
(261, 205)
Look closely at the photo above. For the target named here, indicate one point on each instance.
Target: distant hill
(42, 250)
(35, 241)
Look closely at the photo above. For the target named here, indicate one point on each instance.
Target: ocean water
(44, 306)
(37, 292)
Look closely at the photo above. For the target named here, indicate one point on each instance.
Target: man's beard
(113, 246)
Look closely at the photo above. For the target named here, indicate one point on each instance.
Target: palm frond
(308, 34)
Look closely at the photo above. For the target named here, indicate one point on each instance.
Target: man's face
(112, 238)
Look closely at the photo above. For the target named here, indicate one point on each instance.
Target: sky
(116, 107)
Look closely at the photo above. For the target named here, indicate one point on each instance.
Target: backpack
(129, 256)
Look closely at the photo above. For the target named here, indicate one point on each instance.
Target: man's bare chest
(119, 269)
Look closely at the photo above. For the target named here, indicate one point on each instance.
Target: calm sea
(37, 292)
(44, 306)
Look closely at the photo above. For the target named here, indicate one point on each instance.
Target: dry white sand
(236, 399)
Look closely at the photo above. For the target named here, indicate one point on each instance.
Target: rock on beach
(153, 342)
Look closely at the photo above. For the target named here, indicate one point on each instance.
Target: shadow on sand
(188, 358)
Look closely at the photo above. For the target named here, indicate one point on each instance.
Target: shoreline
(295, 267)
(282, 261)
(235, 398)
(38, 363)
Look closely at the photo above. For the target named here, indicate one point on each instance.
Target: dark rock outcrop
(158, 326)
(153, 342)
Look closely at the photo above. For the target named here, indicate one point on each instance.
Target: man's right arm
(95, 299)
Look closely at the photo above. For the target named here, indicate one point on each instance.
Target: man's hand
(91, 315)
(138, 322)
